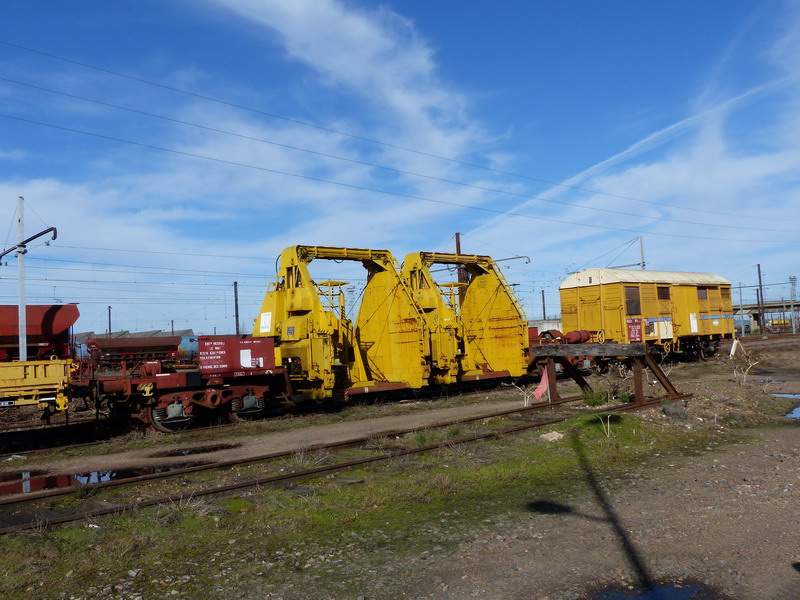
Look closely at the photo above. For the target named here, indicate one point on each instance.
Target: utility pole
(21, 250)
(461, 274)
(109, 322)
(22, 308)
(761, 322)
(641, 250)
(236, 304)
(759, 312)
(544, 309)
(793, 281)
(741, 309)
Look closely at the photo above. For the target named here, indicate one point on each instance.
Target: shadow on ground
(647, 587)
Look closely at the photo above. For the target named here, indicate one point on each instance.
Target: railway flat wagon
(41, 383)
(671, 310)
(141, 378)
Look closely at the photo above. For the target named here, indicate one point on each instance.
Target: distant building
(546, 324)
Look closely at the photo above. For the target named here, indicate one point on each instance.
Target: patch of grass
(626, 397)
(74, 535)
(595, 398)
(454, 430)
(423, 437)
(236, 505)
(306, 459)
(466, 482)
(194, 524)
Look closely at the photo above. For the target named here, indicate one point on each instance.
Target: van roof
(589, 277)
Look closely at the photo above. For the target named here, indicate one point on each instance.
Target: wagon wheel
(601, 337)
(168, 419)
(240, 417)
(245, 408)
(667, 346)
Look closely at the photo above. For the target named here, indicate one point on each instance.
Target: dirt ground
(727, 517)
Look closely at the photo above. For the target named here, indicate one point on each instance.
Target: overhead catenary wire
(362, 138)
(624, 247)
(383, 191)
(162, 270)
(483, 188)
(621, 252)
(10, 227)
(479, 166)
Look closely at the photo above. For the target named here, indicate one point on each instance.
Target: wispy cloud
(369, 72)
(737, 160)
(12, 155)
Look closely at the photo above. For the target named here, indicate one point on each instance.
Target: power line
(146, 289)
(362, 138)
(164, 270)
(163, 253)
(387, 168)
(380, 191)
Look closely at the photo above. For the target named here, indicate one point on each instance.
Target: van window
(702, 293)
(632, 304)
(663, 293)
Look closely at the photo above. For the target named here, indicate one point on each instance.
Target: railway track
(29, 516)
(33, 438)
(758, 342)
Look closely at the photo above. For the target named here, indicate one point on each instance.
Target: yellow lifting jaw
(486, 331)
(326, 353)
(308, 253)
(444, 258)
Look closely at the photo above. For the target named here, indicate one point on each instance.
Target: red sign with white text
(634, 330)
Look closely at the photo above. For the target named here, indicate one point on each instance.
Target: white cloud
(12, 155)
(373, 63)
(740, 156)
(375, 55)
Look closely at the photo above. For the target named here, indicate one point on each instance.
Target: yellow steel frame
(35, 382)
(385, 345)
(489, 334)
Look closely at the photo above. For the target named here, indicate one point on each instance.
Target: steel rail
(313, 472)
(358, 441)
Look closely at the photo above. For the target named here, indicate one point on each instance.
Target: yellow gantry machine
(479, 330)
(409, 331)
(322, 350)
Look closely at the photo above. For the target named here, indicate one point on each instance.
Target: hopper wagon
(42, 381)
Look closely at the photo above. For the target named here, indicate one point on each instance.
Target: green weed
(595, 398)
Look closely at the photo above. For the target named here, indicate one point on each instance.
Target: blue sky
(179, 146)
